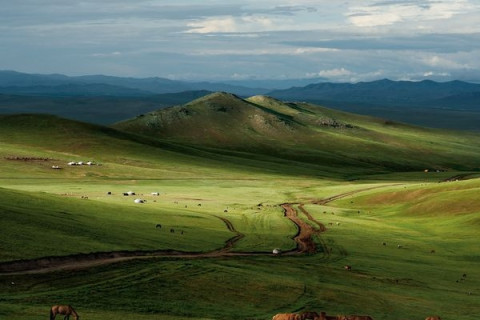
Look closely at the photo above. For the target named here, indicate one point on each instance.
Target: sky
(213, 40)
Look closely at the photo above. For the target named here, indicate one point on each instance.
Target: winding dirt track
(303, 238)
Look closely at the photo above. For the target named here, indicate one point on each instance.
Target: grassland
(45, 212)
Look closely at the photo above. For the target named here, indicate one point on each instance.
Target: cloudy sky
(213, 40)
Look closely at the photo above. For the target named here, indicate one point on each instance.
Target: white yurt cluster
(81, 163)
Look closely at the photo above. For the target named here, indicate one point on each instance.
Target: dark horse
(65, 310)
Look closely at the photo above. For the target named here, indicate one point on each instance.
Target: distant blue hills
(107, 99)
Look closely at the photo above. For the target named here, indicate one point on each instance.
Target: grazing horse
(433, 318)
(66, 310)
(286, 316)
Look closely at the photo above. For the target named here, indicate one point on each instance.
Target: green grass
(42, 213)
(341, 142)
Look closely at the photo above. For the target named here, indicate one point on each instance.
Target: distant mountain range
(12, 82)
(106, 99)
(453, 94)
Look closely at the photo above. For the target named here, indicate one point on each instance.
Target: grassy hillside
(308, 134)
(242, 178)
(385, 282)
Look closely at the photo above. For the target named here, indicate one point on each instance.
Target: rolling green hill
(223, 167)
(308, 134)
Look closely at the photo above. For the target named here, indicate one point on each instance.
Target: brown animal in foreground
(286, 316)
(65, 310)
(355, 317)
(308, 315)
(433, 318)
(323, 316)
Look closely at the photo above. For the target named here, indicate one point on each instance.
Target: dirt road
(303, 239)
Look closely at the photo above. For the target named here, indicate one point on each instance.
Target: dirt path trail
(230, 242)
(346, 194)
(303, 238)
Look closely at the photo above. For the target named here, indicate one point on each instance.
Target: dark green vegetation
(268, 153)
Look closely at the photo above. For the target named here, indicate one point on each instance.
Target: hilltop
(107, 99)
(306, 133)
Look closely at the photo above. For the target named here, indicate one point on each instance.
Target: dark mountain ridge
(451, 105)
(381, 92)
(13, 82)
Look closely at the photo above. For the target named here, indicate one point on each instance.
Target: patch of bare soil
(304, 236)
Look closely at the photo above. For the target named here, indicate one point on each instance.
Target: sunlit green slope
(308, 134)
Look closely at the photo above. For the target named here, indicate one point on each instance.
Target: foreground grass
(42, 213)
(386, 282)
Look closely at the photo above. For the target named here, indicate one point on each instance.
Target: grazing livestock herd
(315, 316)
(67, 310)
(311, 315)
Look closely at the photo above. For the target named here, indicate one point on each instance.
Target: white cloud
(301, 51)
(332, 73)
(436, 74)
(414, 12)
(213, 25)
(106, 55)
(270, 50)
(444, 63)
(230, 24)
